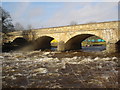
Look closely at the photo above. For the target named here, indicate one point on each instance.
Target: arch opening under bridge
(118, 46)
(77, 42)
(42, 43)
(20, 41)
(16, 44)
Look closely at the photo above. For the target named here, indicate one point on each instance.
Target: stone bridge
(70, 37)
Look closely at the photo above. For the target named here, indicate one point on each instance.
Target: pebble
(1, 57)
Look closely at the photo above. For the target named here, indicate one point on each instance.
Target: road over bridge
(70, 37)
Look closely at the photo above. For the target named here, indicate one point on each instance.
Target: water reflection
(94, 48)
(90, 48)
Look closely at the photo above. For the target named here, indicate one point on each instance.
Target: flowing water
(88, 49)
(94, 48)
(52, 69)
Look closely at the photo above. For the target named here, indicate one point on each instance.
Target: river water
(88, 49)
(94, 48)
(52, 69)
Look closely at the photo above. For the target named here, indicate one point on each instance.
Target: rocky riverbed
(51, 69)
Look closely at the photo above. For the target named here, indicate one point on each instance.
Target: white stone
(41, 70)
(114, 58)
(106, 58)
(1, 57)
(46, 53)
(13, 77)
(97, 58)
(75, 57)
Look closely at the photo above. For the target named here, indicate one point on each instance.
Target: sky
(52, 14)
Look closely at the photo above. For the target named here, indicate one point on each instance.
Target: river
(88, 49)
(52, 69)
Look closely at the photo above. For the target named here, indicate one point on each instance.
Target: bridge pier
(111, 47)
(61, 46)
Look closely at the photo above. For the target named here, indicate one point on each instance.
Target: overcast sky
(51, 14)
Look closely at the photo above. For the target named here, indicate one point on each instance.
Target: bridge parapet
(81, 27)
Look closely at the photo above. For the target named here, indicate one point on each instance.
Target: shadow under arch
(118, 46)
(20, 41)
(42, 43)
(16, 44)
(75, 42)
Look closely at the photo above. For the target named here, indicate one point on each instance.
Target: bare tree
(73, 23)
(29, 27)
(29, 32)
(18, 26)
(5, 21)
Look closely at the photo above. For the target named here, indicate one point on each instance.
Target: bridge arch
(20, 41)
(42, 43)
(74, 43)
(118, 46)
(86, 33)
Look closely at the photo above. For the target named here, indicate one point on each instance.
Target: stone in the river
(41, 70)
